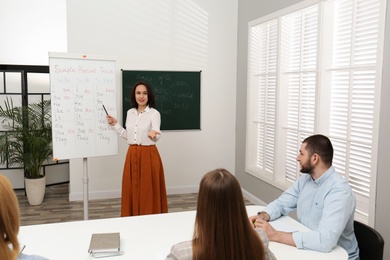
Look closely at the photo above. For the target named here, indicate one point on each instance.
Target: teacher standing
(143, 183)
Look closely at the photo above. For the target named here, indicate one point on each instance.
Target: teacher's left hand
(153, 134)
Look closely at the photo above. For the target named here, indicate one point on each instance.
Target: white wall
(163, 35)
(145, 35)
(28, 31)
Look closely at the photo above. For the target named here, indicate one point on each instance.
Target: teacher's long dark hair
(222, 229)
(151, 97)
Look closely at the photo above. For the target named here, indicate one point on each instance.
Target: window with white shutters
(315, 68)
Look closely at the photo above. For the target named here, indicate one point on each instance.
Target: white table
(142, 237)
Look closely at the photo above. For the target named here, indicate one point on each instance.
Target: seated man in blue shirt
(324, 201)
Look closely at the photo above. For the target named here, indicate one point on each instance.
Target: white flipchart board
(80, 86)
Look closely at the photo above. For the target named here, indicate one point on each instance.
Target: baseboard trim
(78, 196)
(95, 195)
(252, 198)
(182, 190)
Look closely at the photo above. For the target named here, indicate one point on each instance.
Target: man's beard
(307, 168)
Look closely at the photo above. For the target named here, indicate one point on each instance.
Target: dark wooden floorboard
(56, 206)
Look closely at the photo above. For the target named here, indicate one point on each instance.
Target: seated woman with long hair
(9, 224)
(222, 229)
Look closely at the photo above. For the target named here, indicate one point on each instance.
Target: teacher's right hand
(111, 120)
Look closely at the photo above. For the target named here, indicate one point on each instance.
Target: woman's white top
(139, 125)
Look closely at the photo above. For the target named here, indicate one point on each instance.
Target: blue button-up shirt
(326, 206)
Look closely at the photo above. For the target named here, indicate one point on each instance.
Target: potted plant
(26, 141)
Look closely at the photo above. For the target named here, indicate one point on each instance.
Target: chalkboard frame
(175, 116)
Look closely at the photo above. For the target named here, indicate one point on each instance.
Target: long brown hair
(222, 229)
(9, 220)
(151, 97)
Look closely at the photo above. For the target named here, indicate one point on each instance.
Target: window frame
(323, 72)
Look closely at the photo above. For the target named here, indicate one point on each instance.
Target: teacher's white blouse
(139, 125)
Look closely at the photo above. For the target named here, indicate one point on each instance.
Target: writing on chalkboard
(79, 88)
(177, 96)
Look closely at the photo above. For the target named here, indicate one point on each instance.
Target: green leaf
(27, 137)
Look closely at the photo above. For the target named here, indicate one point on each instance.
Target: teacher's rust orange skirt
(143, 182)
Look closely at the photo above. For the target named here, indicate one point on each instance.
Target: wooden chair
(370, 242)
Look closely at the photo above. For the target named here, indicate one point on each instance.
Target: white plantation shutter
(354, 81)
(315, 68)
(299, 50)
(263, 74)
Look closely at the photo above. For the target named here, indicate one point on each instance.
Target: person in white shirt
(143, 181)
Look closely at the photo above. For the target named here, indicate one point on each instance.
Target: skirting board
(170, 191)
(253, 199)
(95, 195)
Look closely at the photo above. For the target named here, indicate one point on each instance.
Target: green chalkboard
(177, 96)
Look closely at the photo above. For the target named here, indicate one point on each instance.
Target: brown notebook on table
(105, 244)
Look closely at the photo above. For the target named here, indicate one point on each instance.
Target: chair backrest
(370, 242)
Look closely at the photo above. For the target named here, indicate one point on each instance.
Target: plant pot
(35, 190)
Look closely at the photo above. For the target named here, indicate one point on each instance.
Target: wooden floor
(56, 206)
